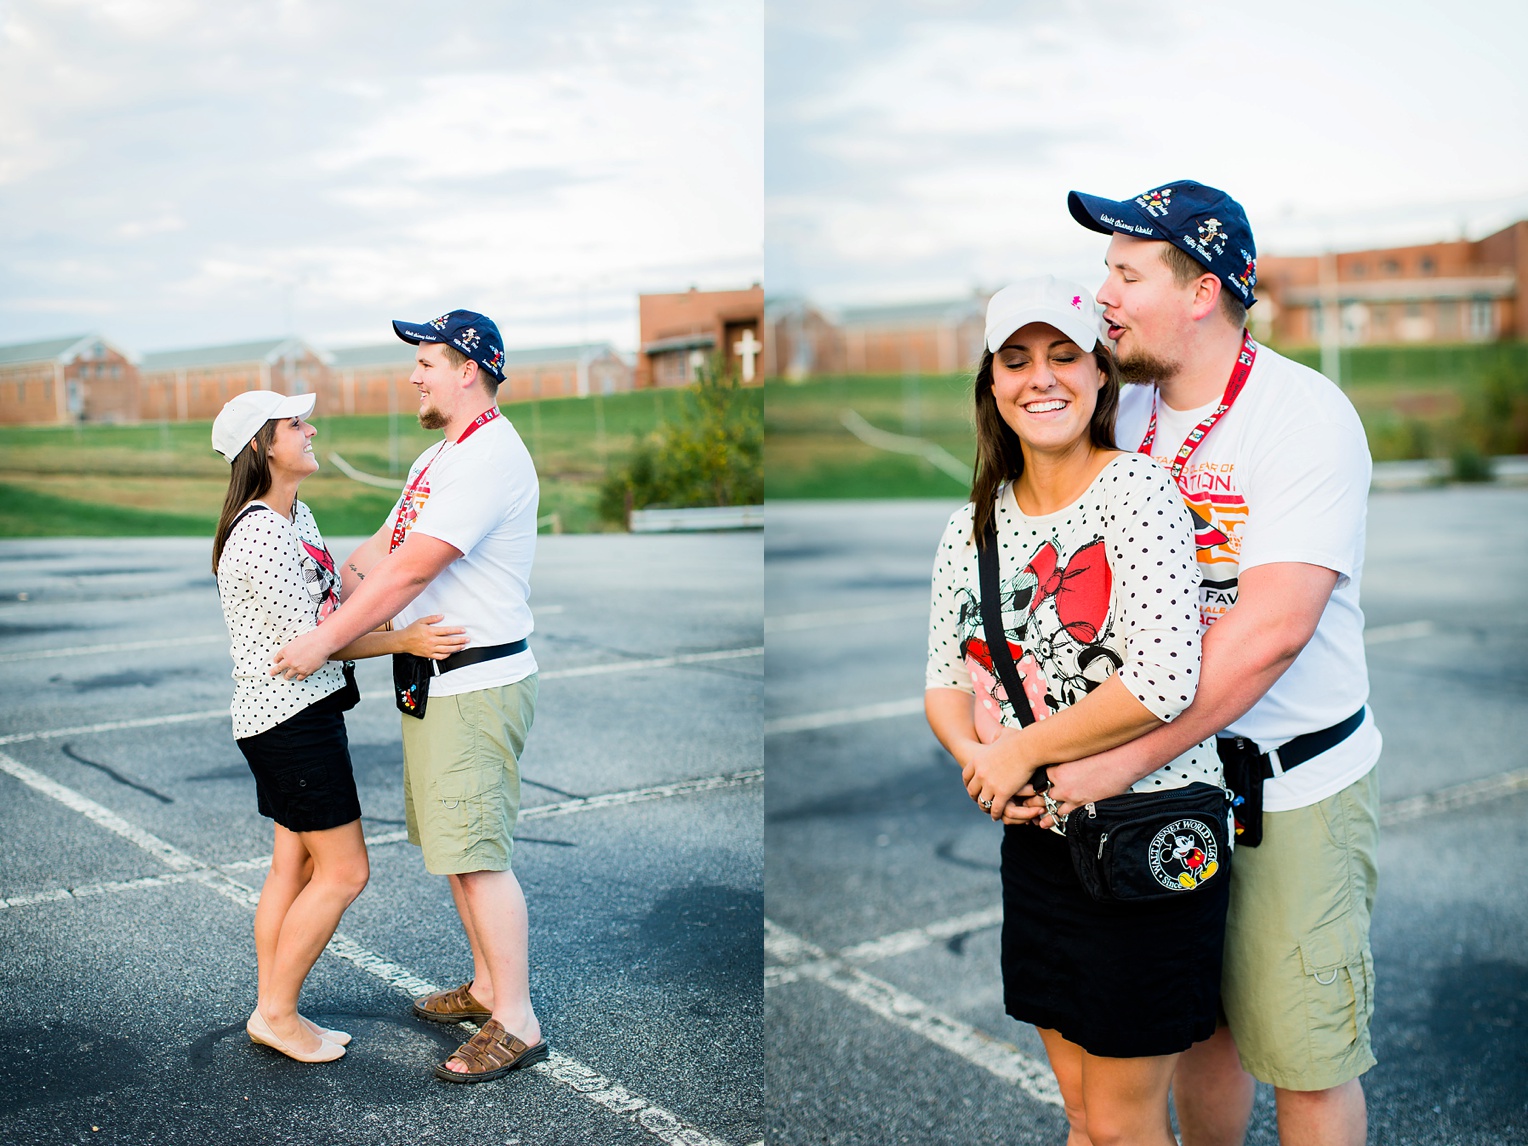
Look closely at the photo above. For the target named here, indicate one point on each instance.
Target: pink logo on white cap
(1077, 302)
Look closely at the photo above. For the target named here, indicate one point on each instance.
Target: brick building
(1461, 291)
(82, 377)
(192, 385)
(680, 331)
(941, 337)
(370, 379)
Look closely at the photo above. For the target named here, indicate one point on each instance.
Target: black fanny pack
(1136, 846)
(1247, 767)
(412, 675)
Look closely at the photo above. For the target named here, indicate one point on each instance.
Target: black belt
(482, 653)
(1304, 747)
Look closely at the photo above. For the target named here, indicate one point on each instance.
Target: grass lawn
(1414, 402)
(165, 479)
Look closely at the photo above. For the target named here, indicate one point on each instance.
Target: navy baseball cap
(1205, 223)
(474, 335)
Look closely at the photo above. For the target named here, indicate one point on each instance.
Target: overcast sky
(178, 173)
(917, 150)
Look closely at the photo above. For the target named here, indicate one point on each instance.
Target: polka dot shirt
(272, 590)
(1107, 586)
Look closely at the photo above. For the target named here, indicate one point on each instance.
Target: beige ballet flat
(338, 1038)
(259, 1031)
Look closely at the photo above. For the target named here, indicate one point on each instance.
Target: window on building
(1359, 270)
(1391, 266)
(1482, 318)
(1427, 266)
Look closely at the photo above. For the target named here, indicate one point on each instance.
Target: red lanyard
(406, 505)
(1239, 374)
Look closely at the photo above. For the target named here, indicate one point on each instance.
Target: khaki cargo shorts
(461, 776)
(1298, 984)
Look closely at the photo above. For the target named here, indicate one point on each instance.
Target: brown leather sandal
(451, 1007)
(491, 1053)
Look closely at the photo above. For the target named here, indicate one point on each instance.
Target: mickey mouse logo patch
(1184, 855)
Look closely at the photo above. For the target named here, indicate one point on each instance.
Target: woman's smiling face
(1046, 387)
(292, 448)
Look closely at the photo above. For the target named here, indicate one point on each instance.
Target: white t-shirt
(481, 496)
(276, 581)
(1283, 476)
(1106, 586)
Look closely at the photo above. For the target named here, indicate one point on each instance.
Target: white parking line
(1405, 631)
(660, 1123)
(1459, 796)
(123, 647)
(834, 618)
(794, 955)
(258, 863)
(999, 1058)
(554, 674)
(813, 721)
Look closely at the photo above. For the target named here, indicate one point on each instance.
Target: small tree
(711, 454)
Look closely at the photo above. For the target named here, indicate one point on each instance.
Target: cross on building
(747, 348)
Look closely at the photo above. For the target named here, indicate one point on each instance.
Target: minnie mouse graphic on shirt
(1062, 643)
(320, 579)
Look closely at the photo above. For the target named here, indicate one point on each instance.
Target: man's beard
(1143, 366)
(430, 418)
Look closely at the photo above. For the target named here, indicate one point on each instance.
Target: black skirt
(1121, 980)
(302, 768)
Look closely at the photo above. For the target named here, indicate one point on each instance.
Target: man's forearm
(384, 593)
(360, 563)
(1242, 658)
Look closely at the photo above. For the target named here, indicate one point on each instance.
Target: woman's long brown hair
(250, 478)
(998, 456)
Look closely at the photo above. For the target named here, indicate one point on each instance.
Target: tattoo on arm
(356, 571)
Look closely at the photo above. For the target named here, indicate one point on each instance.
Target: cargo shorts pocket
(461, 812)
(1337, 987)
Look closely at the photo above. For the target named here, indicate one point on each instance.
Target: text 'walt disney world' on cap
(469, 332)
(1207, 224)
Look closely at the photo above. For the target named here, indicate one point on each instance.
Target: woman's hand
(1081, 782)
(995, 772)
(427, 638)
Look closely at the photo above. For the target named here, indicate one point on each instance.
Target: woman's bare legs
(327, 869)
(1112, 1101)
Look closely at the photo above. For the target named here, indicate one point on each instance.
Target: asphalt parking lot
(883, 1004)
(130, 845)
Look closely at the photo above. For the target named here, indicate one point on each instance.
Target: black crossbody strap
(992, 623)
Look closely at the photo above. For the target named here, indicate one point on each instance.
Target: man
(460, 542)
(1277, 485)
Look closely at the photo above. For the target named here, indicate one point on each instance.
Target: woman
(277, 580)
(1099, 608)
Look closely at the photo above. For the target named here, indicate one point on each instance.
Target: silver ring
(986, 805)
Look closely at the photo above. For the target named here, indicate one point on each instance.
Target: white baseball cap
(243, 415)
(1068, 307)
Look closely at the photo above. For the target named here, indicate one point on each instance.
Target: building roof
(394, 353)
(52, 349)
(400, 353)
(267, 350)
(679, 342)
(907, 313)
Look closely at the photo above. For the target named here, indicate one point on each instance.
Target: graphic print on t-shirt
(1219, 513)
(320, 579)
(1059, 646)
(408, 513)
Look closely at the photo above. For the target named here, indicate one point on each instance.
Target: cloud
(235, 169)
(919, 148)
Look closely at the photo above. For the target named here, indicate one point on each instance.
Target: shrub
(712, 453)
